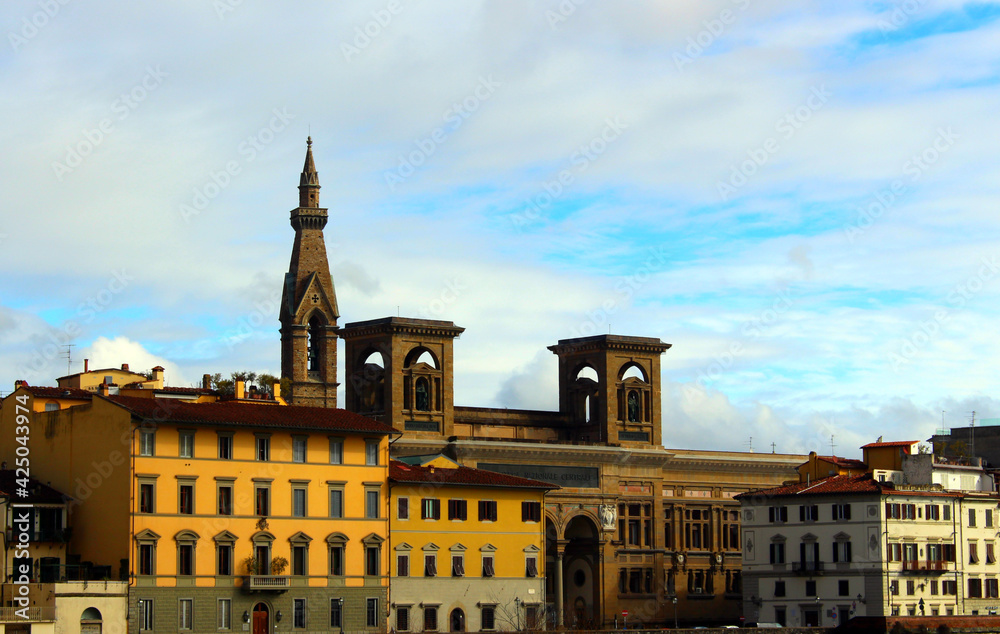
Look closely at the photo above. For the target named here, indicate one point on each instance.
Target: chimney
(206, 381)
(18, 384)
(277, 390)
(158, 373)
(104, 389)
(241, 389)
(125, 367)
(86, 365)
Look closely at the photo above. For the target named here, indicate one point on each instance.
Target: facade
(890, 542)
(636, 533)
(467, 548)
(223, 516)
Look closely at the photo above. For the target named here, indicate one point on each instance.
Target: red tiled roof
(845, 485)
(894, 443)
(59, 392)
(187, 390)
(847, 463)
(38, 493)
(249, 414)
(460, 476)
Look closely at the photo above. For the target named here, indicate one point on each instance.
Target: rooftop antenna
(750, 442)
(832, 452)
(972, 434)
(69, 357)
(772, 447)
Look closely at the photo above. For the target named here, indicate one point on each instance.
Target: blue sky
(801, 199)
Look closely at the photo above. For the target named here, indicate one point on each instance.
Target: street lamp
(674, 601)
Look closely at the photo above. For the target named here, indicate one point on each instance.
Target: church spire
(309, 181)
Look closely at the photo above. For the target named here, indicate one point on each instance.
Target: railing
(808, 567)
(266, 582)
(914, 565)
(16, 615)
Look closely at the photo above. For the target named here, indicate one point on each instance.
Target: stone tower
(609, 387)
(308, 303)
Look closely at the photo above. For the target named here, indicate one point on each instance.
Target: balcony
(915, 566)
(266, 583)
(35, 615)
(808, 567)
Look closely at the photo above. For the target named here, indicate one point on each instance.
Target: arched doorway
(91, 621)
(457, 620)
(261, 619)
(581, 573)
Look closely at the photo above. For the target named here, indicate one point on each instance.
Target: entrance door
(457, 620)
(260, 619)
(810, 618)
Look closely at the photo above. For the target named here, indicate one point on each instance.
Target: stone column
(560, 608)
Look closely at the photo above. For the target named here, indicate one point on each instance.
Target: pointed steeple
(309, 181)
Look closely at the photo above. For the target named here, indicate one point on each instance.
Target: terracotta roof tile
(461, 476)
(58, 392)
(894, 443)
(251, 414)
(846, 485)
(847, 463)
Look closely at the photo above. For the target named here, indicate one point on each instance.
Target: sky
(800, 197)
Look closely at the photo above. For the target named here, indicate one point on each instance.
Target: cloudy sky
(800, 197)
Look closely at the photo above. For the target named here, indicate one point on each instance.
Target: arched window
(423, 395)
(91, 621)
(314, 344)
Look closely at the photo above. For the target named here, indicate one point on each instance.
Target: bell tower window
(314, 352)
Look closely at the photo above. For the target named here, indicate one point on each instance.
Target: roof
(845, 485)
(58, 392)
(895, 443)
(846, 463)
(38, 493)
(163, 410)
(460, 476)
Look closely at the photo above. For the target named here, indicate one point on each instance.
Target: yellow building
(222, 515)
(468, 548)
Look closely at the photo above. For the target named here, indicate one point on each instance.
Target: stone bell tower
(308, 303)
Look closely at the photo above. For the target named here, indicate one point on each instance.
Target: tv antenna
(69, 357)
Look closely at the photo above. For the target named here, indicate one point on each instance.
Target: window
(299, 613)
(697, 529)
(531, 566)
(147, 500)
(909, 511)
(841, 551)
(777, 514)
(336, 502)
(298, 502)
(779, 588)
(371, 452)
(988, 518)
(911, 587)
(263, 448)
(145, 614)
(186, 499)
(778, 552)
(992, 588)
(531, 617)
(932, 511)
(430, 565)
(487, 511)
(300, 559)
(808, 513)
(402, 619)
(430, 619)
(488, 566)
(299, 450)
(225, 446)
(224, 560)
(336, 451)
(976, 588)
(895, 551)
(973, 553)
(635, 524)
(262, 501)
(403, 508)
(972, 517)
(843, 588)
(730, 530)
(810, 588)
(430, 509)
(487, 617)
(457, 566)
(949, 587)
(371, 612)
(402, 565)
(147, 442)
(185, 608)
(946, 513)
(531, 511)
(892, 511)
(841, 512)
(185, 558)
(894, 587)
(457, 510)
(51, 406)
(336, 613)
(225, 611)
(934, 586)
(186, 444)
(225, 495)
(147, 559)
(990, 554)
(337, 560)
(372, 504)
(372, 556)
